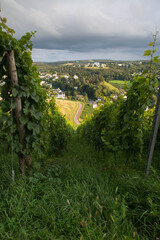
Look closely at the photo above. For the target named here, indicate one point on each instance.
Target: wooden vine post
(12, 72)
(154, 132)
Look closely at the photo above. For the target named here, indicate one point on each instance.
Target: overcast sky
(85, 29)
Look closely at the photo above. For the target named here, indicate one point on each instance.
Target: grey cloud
(88, 43)
(45, 55)
(86, 25)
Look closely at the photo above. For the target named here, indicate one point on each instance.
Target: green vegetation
(69, 110)
(121, 127)
(76, 78)
(120, 84)
(29, 118)
(87, 110)
(92, 190)
(109, 88)
(80, 195)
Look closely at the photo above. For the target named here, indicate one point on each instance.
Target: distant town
(90, 81)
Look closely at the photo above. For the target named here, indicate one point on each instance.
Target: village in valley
(90, 81)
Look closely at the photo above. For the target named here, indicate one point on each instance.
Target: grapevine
(30, 130)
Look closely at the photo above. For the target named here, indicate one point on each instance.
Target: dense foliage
(121, 126)
(44, 127)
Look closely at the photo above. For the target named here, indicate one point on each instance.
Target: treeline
(91, 81)
(112, 71)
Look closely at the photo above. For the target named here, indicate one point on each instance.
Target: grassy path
(69, 109)
(77, 116)
(79, 195)
(72, 111)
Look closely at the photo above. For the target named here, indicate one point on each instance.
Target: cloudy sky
(85, 29)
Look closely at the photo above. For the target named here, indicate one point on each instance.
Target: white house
(49, 85)
(115, 96)
(125, 97)
(98, 100)
(42, 76)
(94, 105)
(65, 76)
(48, 75)
(42, 82)
(54, 75)
(75, 77)
(55, 78)
(46, 84)
(61, 94)
(97, 64)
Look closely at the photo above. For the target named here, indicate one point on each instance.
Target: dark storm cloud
(87, 25)
(87, 44)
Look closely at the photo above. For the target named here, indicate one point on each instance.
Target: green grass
(69, 110)
(120, 84)
(79, 195)
(110, 87)
(87, 110)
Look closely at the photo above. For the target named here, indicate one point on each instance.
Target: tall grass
(88, 110)
(79, 195)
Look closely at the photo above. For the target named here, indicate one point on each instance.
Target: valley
(83, 80)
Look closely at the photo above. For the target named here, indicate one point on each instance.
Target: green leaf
(155, 50)
(145, 71)
(30, 125)
(14, 92)
(23, 119)
(147, 53)
(156, 59)
(9, 122)
(36, 129)
(151, 43)
(13, 105)
(38, 115)
(33, 126)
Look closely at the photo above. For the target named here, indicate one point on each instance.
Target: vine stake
(153, 137)
(12, 71)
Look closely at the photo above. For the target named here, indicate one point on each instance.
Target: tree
(86, 97)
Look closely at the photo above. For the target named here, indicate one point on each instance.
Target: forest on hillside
(85, 79)
(79, 78)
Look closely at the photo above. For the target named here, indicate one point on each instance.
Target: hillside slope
(109, 87)
(69, 109)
